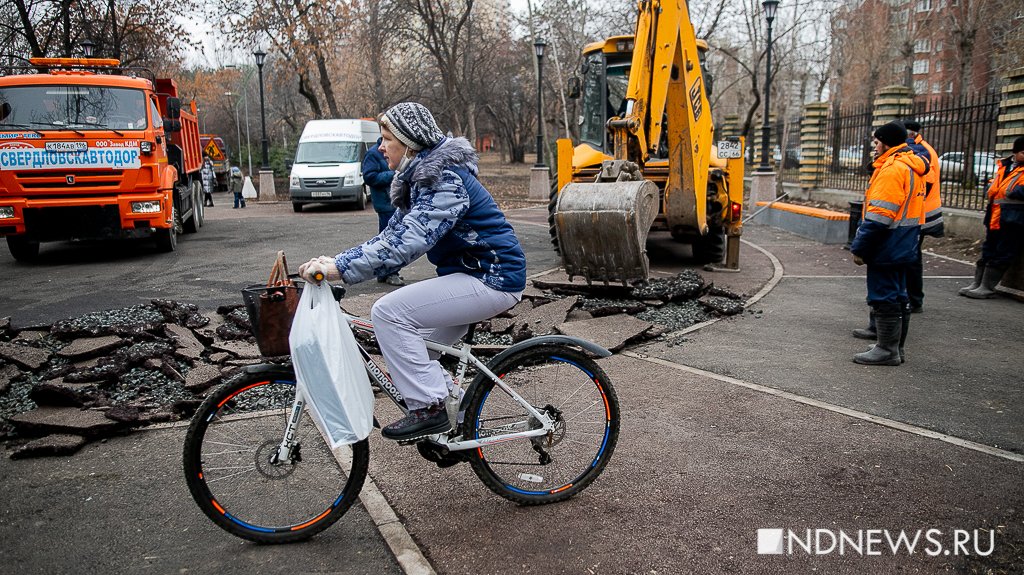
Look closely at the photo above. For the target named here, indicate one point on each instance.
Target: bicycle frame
(465, 356)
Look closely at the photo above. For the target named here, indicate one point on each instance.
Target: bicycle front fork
(288, 450)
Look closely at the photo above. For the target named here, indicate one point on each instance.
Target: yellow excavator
(646, 158)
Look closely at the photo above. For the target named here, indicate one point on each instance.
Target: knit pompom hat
(892, 134)
(413, 125)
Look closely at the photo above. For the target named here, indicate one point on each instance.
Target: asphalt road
(712, 448)
(233, 249)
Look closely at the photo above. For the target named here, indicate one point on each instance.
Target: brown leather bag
(276, 309)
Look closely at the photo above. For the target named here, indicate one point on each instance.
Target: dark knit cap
(413, 125)
(913, 126)
(1018, 145)
(892, 134)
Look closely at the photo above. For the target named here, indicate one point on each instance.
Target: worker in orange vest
(1004, 220)
(931, 224)
(887, 239)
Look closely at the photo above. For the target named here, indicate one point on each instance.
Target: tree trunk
(28, 29)
(309, 94)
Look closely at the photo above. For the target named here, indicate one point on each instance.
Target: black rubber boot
(886, 350)
(979, 272)
(904, 328)
(868, 332)
(989, 281)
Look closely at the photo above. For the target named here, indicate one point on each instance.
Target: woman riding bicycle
(443, 211)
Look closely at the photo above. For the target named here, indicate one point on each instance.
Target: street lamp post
(538, 48)
(769, 14)
(260, 57)
(243, 96)
(238, 129)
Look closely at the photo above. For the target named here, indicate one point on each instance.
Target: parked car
(951, 166)
(851, 158)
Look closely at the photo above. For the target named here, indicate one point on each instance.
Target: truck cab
(91, 151)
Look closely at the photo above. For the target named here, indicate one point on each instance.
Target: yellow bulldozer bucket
(602, 229)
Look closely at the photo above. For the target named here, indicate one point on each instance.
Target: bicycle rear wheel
(228, 467)
(569, 387)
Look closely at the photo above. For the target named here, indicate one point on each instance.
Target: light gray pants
(440, 309)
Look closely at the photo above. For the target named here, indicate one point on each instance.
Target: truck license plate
(67, 146)
(320, 194)
(728, 150)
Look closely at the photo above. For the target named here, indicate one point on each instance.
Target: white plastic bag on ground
(329, 369)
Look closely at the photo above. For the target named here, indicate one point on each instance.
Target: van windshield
(327, 152)
(78, 107)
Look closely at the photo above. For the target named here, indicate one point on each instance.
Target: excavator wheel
(552, 204)
(710, 248)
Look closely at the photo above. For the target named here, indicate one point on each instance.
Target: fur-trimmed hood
(426, 168)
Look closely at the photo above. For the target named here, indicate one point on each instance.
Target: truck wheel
(552, 203)
(296, 207)
(23, 249)
(195, 221)
(710, 249)
(167, 239)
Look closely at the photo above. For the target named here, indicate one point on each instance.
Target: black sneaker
(419, 422)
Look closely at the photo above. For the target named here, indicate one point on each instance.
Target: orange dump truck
(90, 150)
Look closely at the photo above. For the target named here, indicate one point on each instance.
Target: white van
(328, 160)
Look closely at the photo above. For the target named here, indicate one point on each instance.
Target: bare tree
(133, 31)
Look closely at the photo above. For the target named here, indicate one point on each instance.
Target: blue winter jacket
(378, 176)
(444, 212)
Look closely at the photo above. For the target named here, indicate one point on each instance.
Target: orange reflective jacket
(931, 220)
(1007, 177)
(893, 207)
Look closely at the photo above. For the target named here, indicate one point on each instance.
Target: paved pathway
(712, 447)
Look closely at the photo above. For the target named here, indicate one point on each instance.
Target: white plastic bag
(329, 369)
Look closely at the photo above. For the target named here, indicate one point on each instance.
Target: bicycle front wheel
(570, 388)
(232, 472)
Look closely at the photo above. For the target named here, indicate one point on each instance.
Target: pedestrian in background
(887, 240)
(1004, 223)
(931, 223)
(209, 179)
(378, 176)
(239, 198)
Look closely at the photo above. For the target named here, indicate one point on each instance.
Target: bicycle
(541, 420)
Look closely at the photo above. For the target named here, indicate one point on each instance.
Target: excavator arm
(666, 83)
(603, 226)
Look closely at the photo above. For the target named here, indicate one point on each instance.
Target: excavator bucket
(602, 229)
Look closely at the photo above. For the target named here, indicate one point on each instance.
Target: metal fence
(786, 155)
(847, 158)
(962, 131)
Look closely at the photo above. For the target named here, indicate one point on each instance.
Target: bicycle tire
(266, 503)
(540, 375)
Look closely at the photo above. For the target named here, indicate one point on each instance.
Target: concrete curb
(403, 547)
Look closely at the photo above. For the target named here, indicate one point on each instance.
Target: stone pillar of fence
(812, 143)
(730, 126)
(892, 103)
(1011, 126)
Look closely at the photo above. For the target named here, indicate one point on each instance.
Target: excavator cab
(645, 160)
